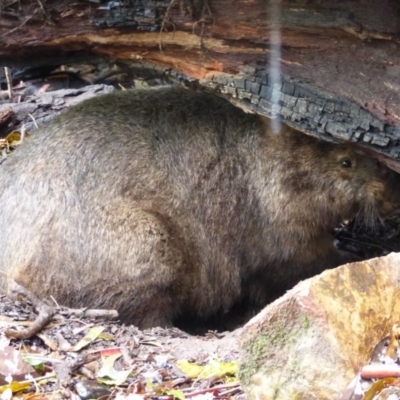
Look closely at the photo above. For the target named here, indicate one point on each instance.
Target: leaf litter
(87, 358)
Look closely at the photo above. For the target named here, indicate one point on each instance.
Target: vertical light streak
(274, 61)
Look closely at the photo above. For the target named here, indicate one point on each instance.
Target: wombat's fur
(169, 203)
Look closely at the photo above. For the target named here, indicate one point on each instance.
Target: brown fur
(168, 203)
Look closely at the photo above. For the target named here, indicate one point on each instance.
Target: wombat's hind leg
(153, 308)
(151, 288)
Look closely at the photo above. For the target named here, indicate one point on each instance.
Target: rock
(310, 343)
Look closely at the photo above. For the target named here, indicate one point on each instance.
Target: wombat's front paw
(347, 257)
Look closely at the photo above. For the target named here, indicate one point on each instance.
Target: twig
(45, 311)
(380, 371)
(3, 155)
(89, 313)
(41, 6)
(64, 370)
(33, 119)
(212, 389)
(7, 71)
(163, 23)
(16, 28)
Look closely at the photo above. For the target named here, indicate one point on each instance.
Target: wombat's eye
(346, 163)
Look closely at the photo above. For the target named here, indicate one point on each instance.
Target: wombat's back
(127, 193)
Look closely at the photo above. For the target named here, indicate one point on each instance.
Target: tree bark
(336, 71)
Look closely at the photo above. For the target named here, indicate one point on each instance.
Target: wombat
(168, 204)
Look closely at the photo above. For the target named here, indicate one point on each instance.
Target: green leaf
(92, 335)
(178, 394)
(34, 362)
(214, 369)
(108, 375)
